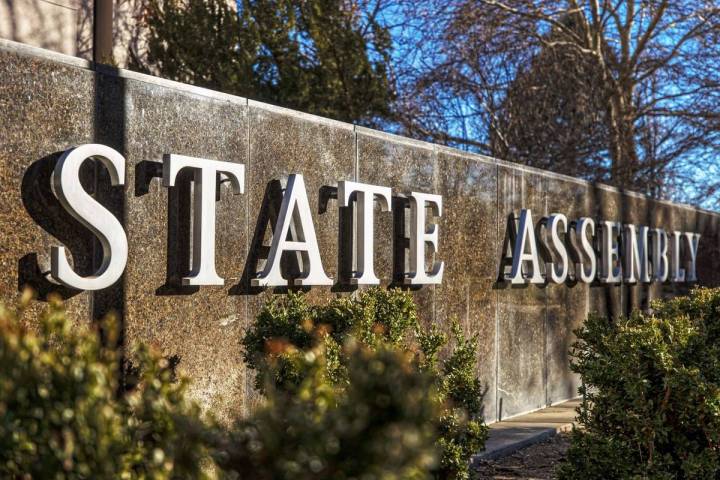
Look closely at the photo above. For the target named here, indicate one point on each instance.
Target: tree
(553, 114)
(649, 70)
(327, 57)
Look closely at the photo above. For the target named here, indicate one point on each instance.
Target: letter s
(66, 180)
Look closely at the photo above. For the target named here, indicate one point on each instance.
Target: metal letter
(678, 273)
(100, 221)
(204, 192)
(660, 262)
(553, 224)
(581, 228)
(611, 271)
(419, 236)
(294, 218)
(693, 240)
(636, 255)
(364, 238)
(525, 240)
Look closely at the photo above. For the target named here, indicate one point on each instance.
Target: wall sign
(580, 250)
(294, 229)
(609, 252)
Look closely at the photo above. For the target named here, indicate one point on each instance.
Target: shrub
(376, 318)
(63, 413)
(652, 391)
(379, 425)
(461, 426)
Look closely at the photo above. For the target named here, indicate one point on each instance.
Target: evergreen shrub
(64, 413)
(651, 384)
(353, 389)
(288, 327)
(378, 424)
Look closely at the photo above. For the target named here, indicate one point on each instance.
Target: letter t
(365, 273)
(204, 191)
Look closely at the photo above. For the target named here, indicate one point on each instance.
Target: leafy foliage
(63, 413)
(620, 91)
(289, 327)
(378, 425)
(324, 57)
(554, 112)
(462, 431)
(652, 389)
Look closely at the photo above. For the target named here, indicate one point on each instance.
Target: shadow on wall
(179, 224)
(609, 204)
(46, 210)
(110, 128)
(709, 249)
(38, 197)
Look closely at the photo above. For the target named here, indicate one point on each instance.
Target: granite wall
(50, 102)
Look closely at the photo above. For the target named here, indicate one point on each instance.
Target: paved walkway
(508, 436)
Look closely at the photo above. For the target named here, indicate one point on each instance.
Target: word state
(294, 230)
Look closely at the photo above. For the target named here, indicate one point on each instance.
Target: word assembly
(620, 253)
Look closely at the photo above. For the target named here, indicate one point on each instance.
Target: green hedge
(652, 391)
(378, 425)
(353, 389)
(65, 415)
(375, 317)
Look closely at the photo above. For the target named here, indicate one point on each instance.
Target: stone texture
(46, 108)
(567, 304)
(200, 326)
(606, 299)
(708, 269)
(468, 185)
(283, 142)
(635, 210)
(50, 103)
(521, 311)
(404, 165)
(685, 220)
(661, 215)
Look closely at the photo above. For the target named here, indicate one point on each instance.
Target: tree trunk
(622, 148)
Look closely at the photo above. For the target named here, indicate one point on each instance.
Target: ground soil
(532, 463)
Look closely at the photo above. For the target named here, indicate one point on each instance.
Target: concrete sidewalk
(508, 436)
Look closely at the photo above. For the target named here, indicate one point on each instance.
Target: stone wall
(50, 102)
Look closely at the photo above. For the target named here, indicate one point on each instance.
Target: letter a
(294, 218)
(525, 240)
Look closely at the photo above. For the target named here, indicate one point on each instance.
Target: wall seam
(247, 243)
(546, 292)
(497, 294)
(357, 153)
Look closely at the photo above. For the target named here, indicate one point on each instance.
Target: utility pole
(103, 31)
